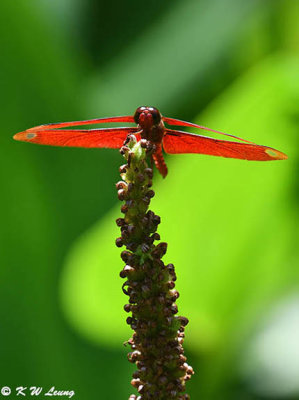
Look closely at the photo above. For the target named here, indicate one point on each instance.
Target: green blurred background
(232, 226)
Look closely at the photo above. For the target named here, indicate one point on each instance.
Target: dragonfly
(150, 126)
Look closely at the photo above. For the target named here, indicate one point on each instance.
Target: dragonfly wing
(173, 121)
(108, 138)
(176, 142)
(56, 125)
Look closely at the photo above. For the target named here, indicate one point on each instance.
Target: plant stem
(158, 334)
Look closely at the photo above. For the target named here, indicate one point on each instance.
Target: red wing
(176, 142)
(111, 137)
(86, 122)
(173, 121)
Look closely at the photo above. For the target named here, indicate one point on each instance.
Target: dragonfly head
(147, 117)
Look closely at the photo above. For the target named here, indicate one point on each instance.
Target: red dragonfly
(150, 126)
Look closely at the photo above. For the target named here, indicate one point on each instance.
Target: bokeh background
(232, 226)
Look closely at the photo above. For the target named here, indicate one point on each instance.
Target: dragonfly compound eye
(149, 114)
(138, 112)
(155, 115)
